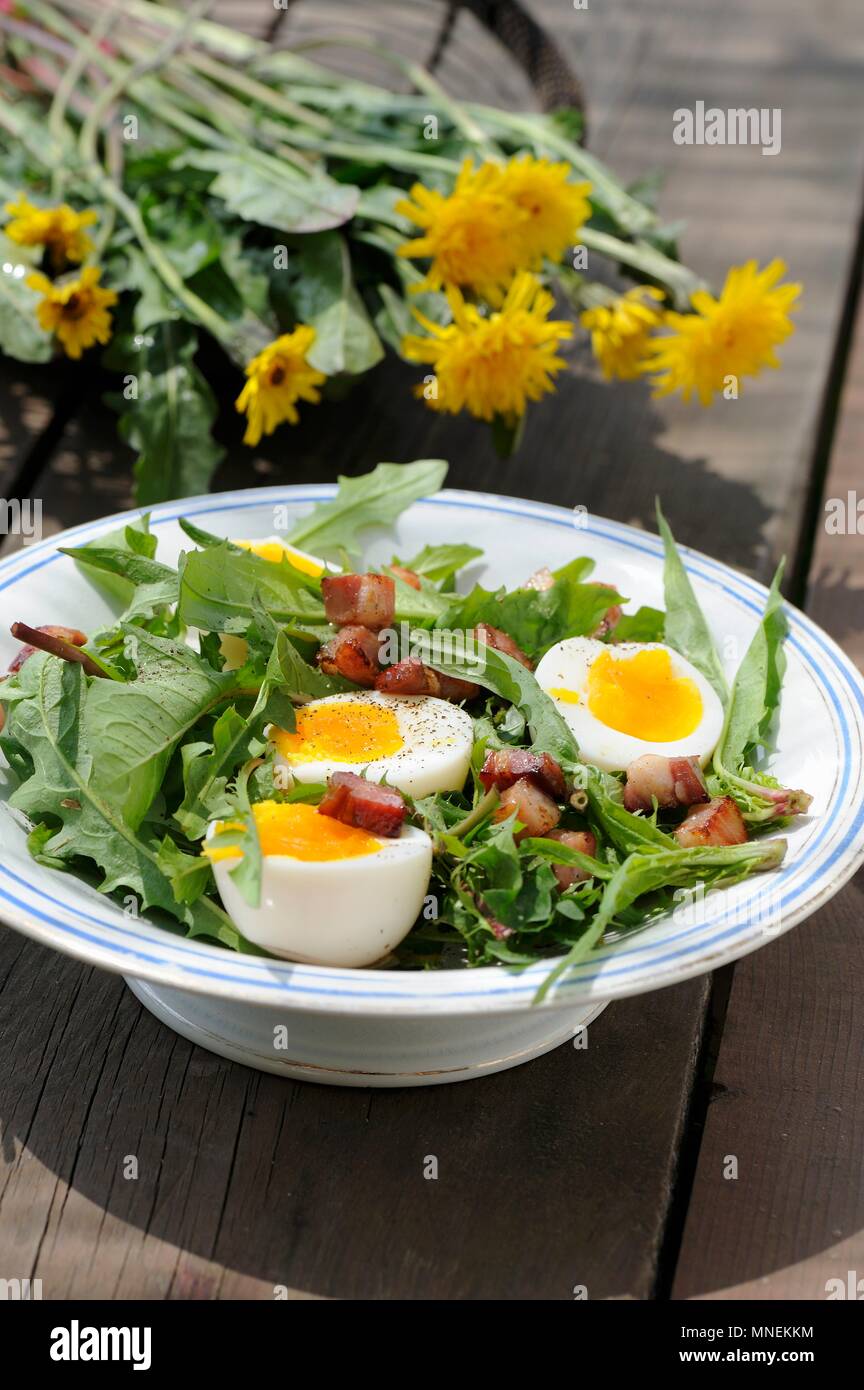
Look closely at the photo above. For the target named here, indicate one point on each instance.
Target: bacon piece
(352, 653)
(365, 599)
(408, 575)
(537, 811)
(366, 805)
(501, 642)
(541, 580)
(504, 766)
(581, 840)
(671, 781)
(611, 617)
(64, 634)
(718, 823)
(412, 677)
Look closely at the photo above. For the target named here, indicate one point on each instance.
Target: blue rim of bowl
(608, 973)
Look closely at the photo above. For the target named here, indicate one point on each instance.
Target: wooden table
(603, 1167)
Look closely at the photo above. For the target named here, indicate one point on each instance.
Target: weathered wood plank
(789, 1080)
(547, 1177)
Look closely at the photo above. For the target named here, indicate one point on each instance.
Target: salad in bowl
(284, 748)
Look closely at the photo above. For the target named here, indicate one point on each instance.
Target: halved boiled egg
(416, 743)
(330, 894)
(235, 649)
(623, 701)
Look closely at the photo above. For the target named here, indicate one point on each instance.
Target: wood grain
(790, 1075)
(548, 1177)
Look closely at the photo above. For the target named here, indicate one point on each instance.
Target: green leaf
(137, 726)
(87, 825)
(756, 688)
(439, 563)
(241, 833)
(150, 586)
(106, 575)
(538, 618)
(20, 334)
(752, 704)
(290, 680)
(218, 588)
(327, 299)
(276, 195)
(188, 874)
(645, 873)
(155, 303)
(645, 625)
(207, 768)
(626, 831)
(512, 682)
(170, 419)
(686, 627)
(373, 499)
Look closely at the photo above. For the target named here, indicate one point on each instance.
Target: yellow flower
(732, 336)
(553, 210)
(620, 330)
(491, 365)
(76, 310)
(467, 235)
(277, 378)
(59, 230)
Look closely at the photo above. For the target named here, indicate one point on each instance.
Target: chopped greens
(126, 773)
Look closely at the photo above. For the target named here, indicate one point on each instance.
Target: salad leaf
(645, 873)
(154, 586)
(207, 768)
(645, 625)
(626, 831)
(754, 699)
(538, 618)
(512, 682)
(240, 833)
(373, 499)
(686, 628)
(290, 680)
(137, 726)
(756, 688)
(218, 587)
(440, 563)
(62, 793)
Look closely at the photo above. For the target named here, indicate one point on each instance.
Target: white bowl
(383, 1028)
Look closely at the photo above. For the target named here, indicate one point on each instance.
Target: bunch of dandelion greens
(165, 178)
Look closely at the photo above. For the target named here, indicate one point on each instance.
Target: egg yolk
(301, 832)
(275, 551)
(345, 732)
(640, 695)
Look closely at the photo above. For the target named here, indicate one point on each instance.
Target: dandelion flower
(276, 379)
(467, 235)
(60, 230)
(76, 311)
(732, 336)
(620, 331)
(553, 209)
(492, 365)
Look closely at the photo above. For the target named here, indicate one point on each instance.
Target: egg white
(567, 665)
(436, 752)
(348, 912)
